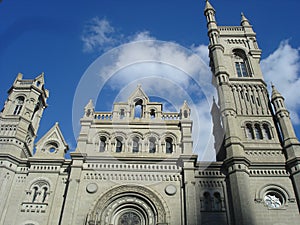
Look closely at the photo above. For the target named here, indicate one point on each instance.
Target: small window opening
(122, 113)
(169, 145)
(45, 189)
(152, 113)
(152, 145)
(19, 105)
(35, 194)
(217, 201)
(185, 114)
(52, 147)
(249, 131)
(102, 144)
(266, 131)
(258, 132)
(119, 144)
(207, 201)
(138, 109)
(135, 144)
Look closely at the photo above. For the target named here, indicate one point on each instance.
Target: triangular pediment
(138, 94)
(52, 144)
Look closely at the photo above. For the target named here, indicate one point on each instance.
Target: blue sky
(65, 38)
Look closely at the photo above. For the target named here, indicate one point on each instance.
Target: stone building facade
(135, 165)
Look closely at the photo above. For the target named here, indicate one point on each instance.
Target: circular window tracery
(273, 200)
(129, 218)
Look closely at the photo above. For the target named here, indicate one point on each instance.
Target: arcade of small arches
(212, 201)
(258, 131)
(136, 143)
(38, 192)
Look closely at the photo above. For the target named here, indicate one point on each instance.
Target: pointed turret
(185, 111)
(283, 118)
(244, 20)
(52, 144)
(209, 12)
(89, 109)
(208, 6)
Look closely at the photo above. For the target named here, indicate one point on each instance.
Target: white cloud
(174, 74)
(98, 35)
(282, 69)
(165, 70)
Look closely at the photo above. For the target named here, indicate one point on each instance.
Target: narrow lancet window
(258, 132)
(138, 109)
(135, 144)
(19, 105)
(249, 131)
(119, 144)
(241, 63)
(152, 145)
(266, 132)
(102, 144)
(169, 145)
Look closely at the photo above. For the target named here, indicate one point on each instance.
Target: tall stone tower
(252, 150)
(20, 117)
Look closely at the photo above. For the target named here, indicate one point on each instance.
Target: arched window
(152, 113)
(102, 144)
(122, 113)
(169, 145)
(19, 105)
(241, 63)
(135, 144)
(152, 145)
(185, 114)
(266, 132)
(217, 201)
(34, 194)
(249, 131)
(39, 191)
(44, 193)
(138, 109)
(207, 201)
(119, 144)
(258, 132)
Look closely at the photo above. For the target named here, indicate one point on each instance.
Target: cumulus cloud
(98, 34)
(282, 69)
(172, 73)
(166, 71)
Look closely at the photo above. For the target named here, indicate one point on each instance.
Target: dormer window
(241, 63)
(19, 105)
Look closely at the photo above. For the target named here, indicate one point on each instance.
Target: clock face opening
(273, 200)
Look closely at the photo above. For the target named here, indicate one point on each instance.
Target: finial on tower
(208, 6)
(275, 93)
(244, 20)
